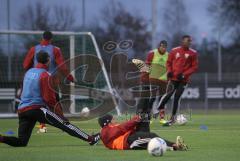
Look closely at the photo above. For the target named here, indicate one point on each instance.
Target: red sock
(175, 147)
(162, 114)
(90, 139)
(42, 125)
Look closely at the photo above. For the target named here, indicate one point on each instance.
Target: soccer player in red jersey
(128, 135)
(181, 64)
(39, 104)
(56, 58)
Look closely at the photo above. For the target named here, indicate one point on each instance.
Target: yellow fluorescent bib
(158, 66)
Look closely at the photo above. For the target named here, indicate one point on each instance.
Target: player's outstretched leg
(143, 110)
(54, 120)
(140, 140)
(164, 99)
(25, 128)
(176, 102)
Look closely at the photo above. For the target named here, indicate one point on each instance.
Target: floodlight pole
(219, 57)
(83, 14)
(8, 43)
(83, 27)
(154, 22)
(219, 51)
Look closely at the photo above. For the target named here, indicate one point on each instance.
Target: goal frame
(71, 36)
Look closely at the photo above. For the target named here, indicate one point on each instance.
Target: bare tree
(64, 18)
(39, 16)
(118, 24)
(3, 67)
(42, 17)
(226, 21)
(225, 15)
(175, 21)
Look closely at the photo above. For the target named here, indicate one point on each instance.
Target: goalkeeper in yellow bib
(157, 78)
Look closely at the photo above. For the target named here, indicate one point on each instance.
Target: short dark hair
(186, 36)
(163, 42)
(42, 57)
(47, 35)
(105, 120)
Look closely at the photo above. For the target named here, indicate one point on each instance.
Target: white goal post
(72, 46)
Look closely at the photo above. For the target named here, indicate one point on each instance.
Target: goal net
(83, 58)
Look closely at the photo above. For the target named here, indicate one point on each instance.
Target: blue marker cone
(9, 132)
(203, 127)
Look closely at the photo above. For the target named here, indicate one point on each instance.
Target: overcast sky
(197, 9)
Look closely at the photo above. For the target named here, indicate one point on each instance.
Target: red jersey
(47, 93)
(114, 136)
(144, 75)
(58, 57)
(182, 60)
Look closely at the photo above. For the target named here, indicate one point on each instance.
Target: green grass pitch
(220, 142)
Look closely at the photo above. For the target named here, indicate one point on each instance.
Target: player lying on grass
(130, 135)
(37, 99)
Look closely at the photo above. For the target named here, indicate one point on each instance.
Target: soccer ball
(85, 112)
(157, 147)
(181, 119)
(42, 130)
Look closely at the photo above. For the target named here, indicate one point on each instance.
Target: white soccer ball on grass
(181, 119)
(42, 130)
(157, 147)
(85, 112)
